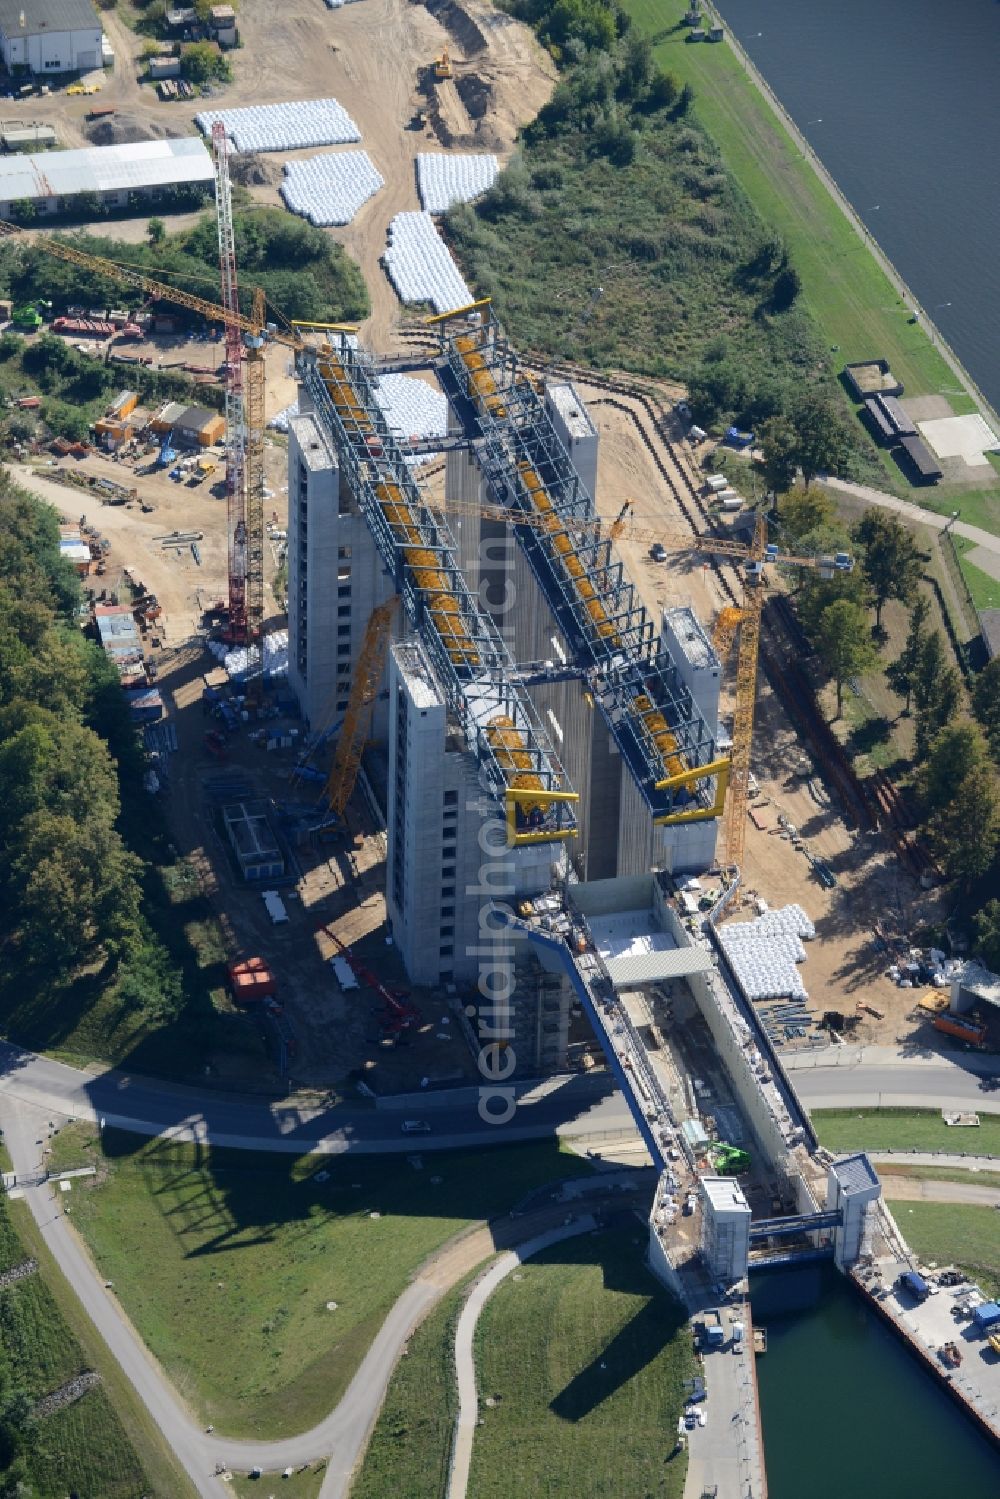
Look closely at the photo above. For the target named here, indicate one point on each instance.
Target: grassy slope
(971, 1178)
(303, 1485)
(952, 1234)
(225, 1260)
(904, 1129)
(411, 1444)
(103, 1446)
(589, 1356)
(843, 286)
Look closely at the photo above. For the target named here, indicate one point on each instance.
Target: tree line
(71, 890)
(956, 775)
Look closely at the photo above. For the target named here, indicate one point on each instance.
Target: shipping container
(965, 1030)
(987, 1315)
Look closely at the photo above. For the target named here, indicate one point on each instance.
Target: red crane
(398, 1015)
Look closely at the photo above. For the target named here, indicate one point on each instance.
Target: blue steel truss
(521, 455)
(474, 667)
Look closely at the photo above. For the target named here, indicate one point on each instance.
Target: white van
(275, 907)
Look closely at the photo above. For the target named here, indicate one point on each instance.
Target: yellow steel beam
(442, 317)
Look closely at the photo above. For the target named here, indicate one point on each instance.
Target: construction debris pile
(330, 189)
(445, 180)
(763, 953)
(420, 265)
(283, 127)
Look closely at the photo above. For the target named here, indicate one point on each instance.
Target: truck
(965, 1030)
(986, 1316)
(710, 1330)
(913, 1283)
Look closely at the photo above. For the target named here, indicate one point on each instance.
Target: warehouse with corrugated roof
(49, 37)
(51, 180)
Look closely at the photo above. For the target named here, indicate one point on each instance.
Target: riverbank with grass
(849, 287)
(948, 1233)
(259, 1280)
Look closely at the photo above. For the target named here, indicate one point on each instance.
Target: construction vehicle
(728, 1160)
(398, 1015)
(27, 318)
(970, 1031)
(357, 718)
(442, 65)
(167, 453)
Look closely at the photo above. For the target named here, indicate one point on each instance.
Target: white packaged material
(420, 265)
(237, 662)
(763, 953)
(444, 179)
(330, 189)
(283, 127)
(412, 408)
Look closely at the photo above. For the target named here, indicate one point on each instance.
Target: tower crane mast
(236, 423)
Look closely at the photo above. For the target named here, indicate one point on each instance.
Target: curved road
(465, 1361)
(33, 1088)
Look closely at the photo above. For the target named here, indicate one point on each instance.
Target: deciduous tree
(986, 924)
(986, 703)
(845, 645)
(891, 562)
(900, 673)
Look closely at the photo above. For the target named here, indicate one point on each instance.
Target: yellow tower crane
(745, 619)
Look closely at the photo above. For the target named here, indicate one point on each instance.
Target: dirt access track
(374, 57)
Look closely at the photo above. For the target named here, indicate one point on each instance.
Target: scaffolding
(466, 652)
(670, 749)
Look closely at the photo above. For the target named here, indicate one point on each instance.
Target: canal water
(901, 102)
(847, 1410)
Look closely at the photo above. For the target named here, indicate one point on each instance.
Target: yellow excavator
(442, 65)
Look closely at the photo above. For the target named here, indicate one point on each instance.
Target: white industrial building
(51, 180)
(50, 36)
(725, 1228)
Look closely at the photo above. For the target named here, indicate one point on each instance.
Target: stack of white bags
(283, 127)
(237, 663)
(420, 265)
(412, 409)
(443, 179)
(330, 189)
(763, 953)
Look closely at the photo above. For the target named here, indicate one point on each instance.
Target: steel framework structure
(671, 751)
(470, 660)
(236, 416)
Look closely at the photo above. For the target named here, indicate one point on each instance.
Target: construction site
(472, 694)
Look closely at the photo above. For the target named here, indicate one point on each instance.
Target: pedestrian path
(989, 543)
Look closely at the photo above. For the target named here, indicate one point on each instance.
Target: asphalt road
(580, 1106)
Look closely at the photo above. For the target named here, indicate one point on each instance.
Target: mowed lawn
(851, 298)
(586, 1356)
(904, 1129)
(410, 1447)
(226, 1260)
(954, 1234)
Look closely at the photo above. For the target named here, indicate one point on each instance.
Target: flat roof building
(48, 37)
(52, 179)
(926, 467)
(254, 844)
